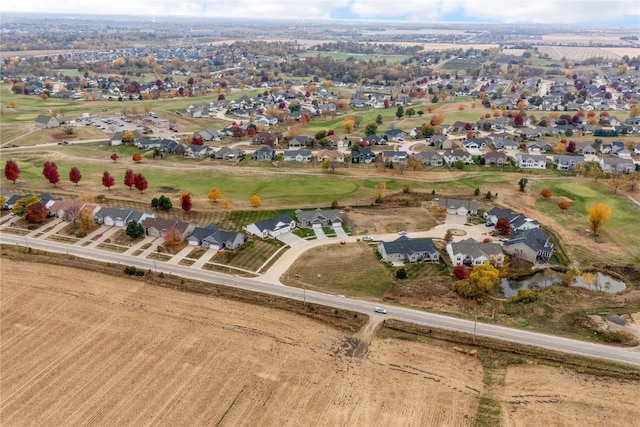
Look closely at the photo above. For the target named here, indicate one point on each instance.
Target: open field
(100, 350)
(108, 350)
(341, 56)
(579, 53)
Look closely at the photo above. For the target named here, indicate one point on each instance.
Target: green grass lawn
(621, 228)
(341, 56)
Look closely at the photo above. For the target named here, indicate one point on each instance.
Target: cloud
(428, 11)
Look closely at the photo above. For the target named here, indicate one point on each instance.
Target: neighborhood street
(269, 283)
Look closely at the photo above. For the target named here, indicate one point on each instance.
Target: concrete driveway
(317, 228)
(290, 239)
(340, 233)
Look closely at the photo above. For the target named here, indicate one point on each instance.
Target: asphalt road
(628, 356)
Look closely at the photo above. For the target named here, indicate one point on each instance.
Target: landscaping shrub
(525, 296)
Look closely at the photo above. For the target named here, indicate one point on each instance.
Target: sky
(591, 12)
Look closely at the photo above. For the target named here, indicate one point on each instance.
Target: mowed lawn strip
(351, 270)
(622, 227)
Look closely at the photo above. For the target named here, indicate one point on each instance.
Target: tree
(163, 203)
(36, 213)
(197, 140)
(255, 201)
(546, 194)
(225, 203)
(571, 147)
(214, 194)
(371, 129)
(400, 112)
(22, 205)
(107, 180)
(74, 175)
(50, 172)
(380, 191)
(598, 216)
(503, 226)
(522, 184)
(128, 137)
(482, 279)
(448, 235)
(348, 124)
(115, 157)
(134, 230)
(87, 223)
(563, 205)
(136, 157)
(140, 182)
(185, 201)
(11, 171)
(379, 119)
(460, 272)
(129, 178)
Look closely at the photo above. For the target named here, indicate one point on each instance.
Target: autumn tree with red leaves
(137, 157)
(197, 140)
(36, 213)
(115, 157)
(140, 182)
(460, 272)
(50, 172)
(11, 171)
(129, 178)
(546, 194)
(564, 205)
(74, 175)
(107, 180)
(503, 225)
(185, 201)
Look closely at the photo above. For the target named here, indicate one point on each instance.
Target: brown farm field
(100, 350)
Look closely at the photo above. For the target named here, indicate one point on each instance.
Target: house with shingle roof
(211, 237)
(119, 217)
(47, 122)
(532, 245)
(471, 252)
(271, 227)
(458, 207)
(405, 249)
(328, 217)
(531, 161)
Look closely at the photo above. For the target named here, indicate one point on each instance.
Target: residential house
(116, 137)
(301, 156)
(373, 140)
(298, 141)
(390, 156)
(517, 221)
(271, 227)
(47, 122)
(532, 245)
(68, 210)
(470, 252)
(612, 147)
(585, 148)
(265, 138)
(564, 162)
(119, 217)
(232, 154)
(495, 158)
(362, 155)
(453, 155)
(500, 143)
(331, 155)
(208, 134)
(198, 151)
(163, 144)
(394, 135)
(405, 249)
(441, 142)
(538, 147)
(336, 141)
(531, 161)
(474, 143)
(617, 165)
(11, 200)
(211, 237)
(327, 217)
(265, 153)
(431, 158)
(458, 207)
(158, 227)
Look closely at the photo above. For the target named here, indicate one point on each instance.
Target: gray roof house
(271, 227)
(302, 156)
(430, 157)
(391, 156)
(199, 151)
(471, 252)
(47, 121)
(564, 162)
(211, 237)
(405, 249)
(318, 216)
(227, 153)
(459, 207)
(264, 153)
(495, 158)
(158, 227)
(617, 165)
(532, 245)
(119, 217)
(531, 161)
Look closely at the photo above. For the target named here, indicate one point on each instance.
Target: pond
(542, 279)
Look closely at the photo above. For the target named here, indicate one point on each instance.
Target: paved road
(629, 356)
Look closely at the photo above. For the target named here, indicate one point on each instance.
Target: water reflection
(542, 279)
